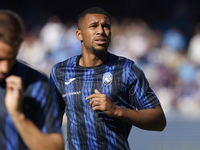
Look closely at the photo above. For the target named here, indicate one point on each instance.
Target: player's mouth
(2, 75)
(100, 40)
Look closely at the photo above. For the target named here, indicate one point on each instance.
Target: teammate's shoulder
(28, 71)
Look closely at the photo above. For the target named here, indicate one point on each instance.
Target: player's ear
(79, 35)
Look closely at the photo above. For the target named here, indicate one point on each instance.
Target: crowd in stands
(171, 65)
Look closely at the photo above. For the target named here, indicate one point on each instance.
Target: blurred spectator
(51, 33)
(194, 46)
(174, 39)
(72, 45)
(32, 51)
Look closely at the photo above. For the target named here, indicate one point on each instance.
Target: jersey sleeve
(51, 109)
(140, 94)
(41, 108)
(56, 94)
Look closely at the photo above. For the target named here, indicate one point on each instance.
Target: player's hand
(101, 102)
(14, 95)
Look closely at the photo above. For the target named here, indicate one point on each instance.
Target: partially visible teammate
(29, 116)
(102, 94)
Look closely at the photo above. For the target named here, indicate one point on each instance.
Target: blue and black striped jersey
(38, 106)
(120, 79)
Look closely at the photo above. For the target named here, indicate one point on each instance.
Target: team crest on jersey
(107, 78)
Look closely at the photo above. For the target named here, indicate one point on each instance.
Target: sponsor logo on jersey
(72, 93)
(70, 80)
(107, 78)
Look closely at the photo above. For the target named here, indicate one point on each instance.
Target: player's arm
(30, 134)
(148, 119)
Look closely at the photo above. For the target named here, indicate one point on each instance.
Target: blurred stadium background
(161, 36)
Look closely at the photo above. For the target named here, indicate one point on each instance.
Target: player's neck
(91, 60)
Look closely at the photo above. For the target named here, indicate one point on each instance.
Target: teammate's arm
(61, 117)
(30, 134)
(148, 119)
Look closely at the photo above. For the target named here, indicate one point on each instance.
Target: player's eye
(93, 26)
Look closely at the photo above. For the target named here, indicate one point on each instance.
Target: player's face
(7, 59)
(95, 32)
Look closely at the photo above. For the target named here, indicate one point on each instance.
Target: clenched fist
(14, 95)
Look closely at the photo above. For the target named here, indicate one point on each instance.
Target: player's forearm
(148, 119)
(34, 138)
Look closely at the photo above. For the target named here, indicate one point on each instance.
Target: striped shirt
(38, 106)
(120, 79)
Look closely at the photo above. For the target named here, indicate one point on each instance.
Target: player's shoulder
(127, 64)
(70, 62)
(122, 61)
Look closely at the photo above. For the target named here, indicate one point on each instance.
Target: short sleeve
(140, 94)
(41, 108)
(51, 108)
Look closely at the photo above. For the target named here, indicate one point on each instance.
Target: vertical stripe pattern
(38, 106)
(120, 79)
